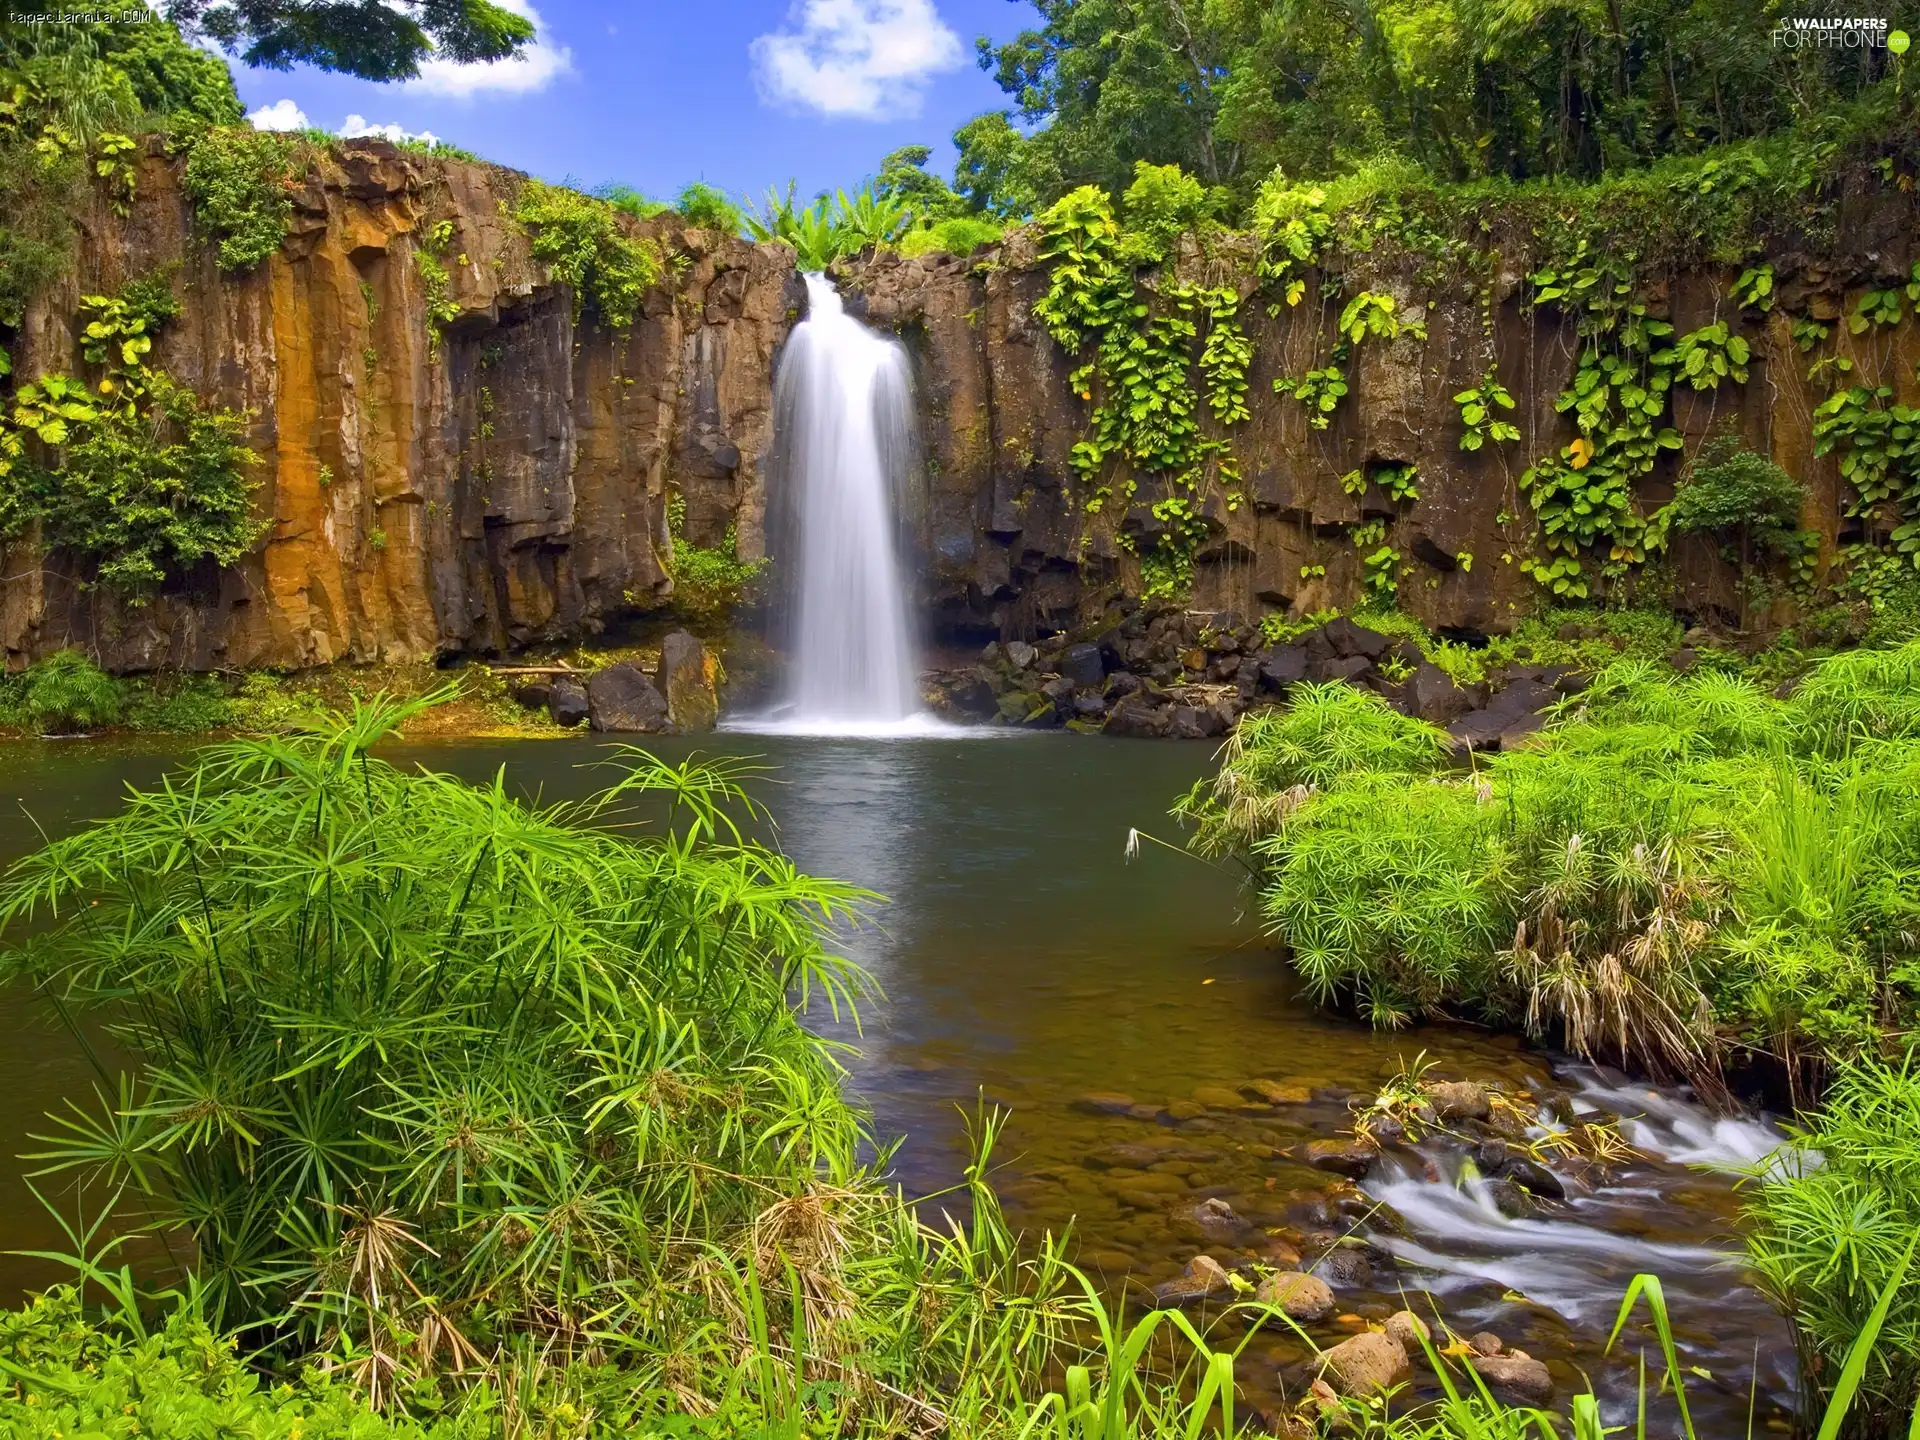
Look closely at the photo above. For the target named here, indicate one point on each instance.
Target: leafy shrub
(470, 1079)
(237, 178)
(708, 206)
(67, 692)
(581, 241)
(957, 235)
(1676, 859)
(709, 582)
(1831, 1222)
(832, 226)
(68, 1378)
(180, 704)
(629, 201)
(1162, 201)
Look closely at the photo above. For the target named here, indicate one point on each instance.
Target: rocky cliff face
(500, 482)
(1010, 550)
(504, 481)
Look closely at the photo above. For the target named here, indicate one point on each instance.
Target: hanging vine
(1140, 340)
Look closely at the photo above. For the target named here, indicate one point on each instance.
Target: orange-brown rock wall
(500, 482)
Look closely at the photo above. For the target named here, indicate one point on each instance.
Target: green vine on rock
(584, 243)
(237, 178)
(1138, 342)
(1879, 452)
(1478, 413)
(131, 472)
(1583, 498)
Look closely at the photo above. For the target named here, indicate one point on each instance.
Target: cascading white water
(843, 418)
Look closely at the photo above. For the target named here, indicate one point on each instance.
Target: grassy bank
(1699, 874)
(459, 1118)
(67, 694)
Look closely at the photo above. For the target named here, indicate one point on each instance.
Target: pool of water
(1117, 1005)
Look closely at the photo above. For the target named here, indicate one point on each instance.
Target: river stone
(1346, 1266)
(1305, 1298)
(1515, 1377)
(1021, 654)
(621, 698)
(1203, 1279)
(1535, 1178)
(1279, 1092)
(1486, 1343)
(1212, 1220)
(1218, 1097)
(533, 694)
(1366, 1364)
(1431, 695)
(1409, 1329)
(1459, 1100)
(1082, 665)
(688, 677)
(1351, 1158)
(567, 702)
(1103, 1103)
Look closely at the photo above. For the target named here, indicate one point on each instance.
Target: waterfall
(843, 436)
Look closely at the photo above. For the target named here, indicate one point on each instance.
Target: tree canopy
(1230, 89)
(374, 39)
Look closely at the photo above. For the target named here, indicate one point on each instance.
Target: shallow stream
(1119, 1009)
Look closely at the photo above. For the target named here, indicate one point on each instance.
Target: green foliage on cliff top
(582, 241)
(237, 178)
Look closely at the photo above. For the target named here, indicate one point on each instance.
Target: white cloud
(355, 126)
(537, 66)
(862, 59)
(281, 115)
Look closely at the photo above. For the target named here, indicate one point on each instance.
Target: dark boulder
(567, 702)
(1082, 665)
(1198, 722)
(621, 698)
(1282, 666)
(1351, 668)
(1138, 718)
(533, 694)
(1348, 639)
(1432, 695)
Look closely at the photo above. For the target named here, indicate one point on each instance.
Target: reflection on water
(1025, 958)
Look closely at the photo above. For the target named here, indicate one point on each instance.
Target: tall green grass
(1675, 865)
(422, 1079)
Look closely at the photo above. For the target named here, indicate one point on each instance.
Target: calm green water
(1026, 959)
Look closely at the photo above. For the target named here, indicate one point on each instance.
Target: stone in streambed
(1104, 1103)
(1020, 654)
(689, 679)
(1409, 1329)
(1366, 1364)
(1459, 1100)
(1203, 1279)
(1305, 1298)
(567, 702)
(1212, 1221)
(1515, 1377)
(1351, 1158)
(1280, 1092)
(623, 700)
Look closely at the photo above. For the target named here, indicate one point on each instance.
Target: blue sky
(742, 93)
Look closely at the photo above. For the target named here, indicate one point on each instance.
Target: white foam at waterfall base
(843, 419)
